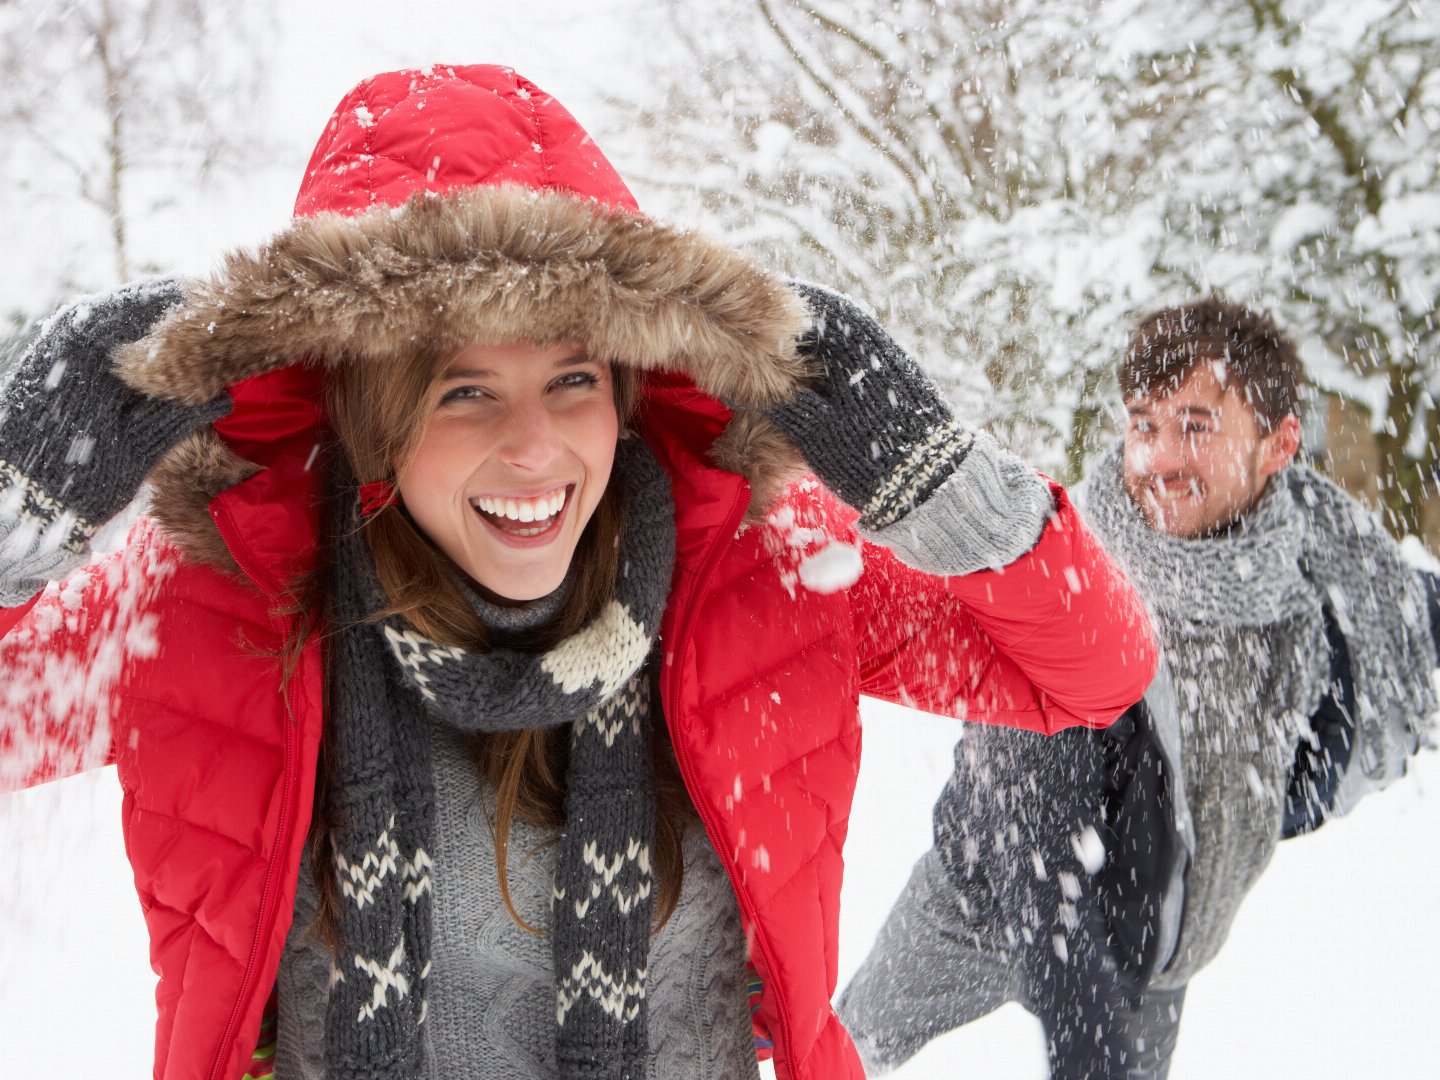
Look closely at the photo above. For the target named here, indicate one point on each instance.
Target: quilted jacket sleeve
(64, 658)
(1056, 639)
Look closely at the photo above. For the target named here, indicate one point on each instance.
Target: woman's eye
(461, 393)
(577, 380)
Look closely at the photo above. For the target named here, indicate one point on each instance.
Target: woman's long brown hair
(378, 416)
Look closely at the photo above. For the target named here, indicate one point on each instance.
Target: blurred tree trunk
(118, 105)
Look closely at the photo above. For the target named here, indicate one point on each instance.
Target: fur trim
(754, 447)
(192, 474)
(480, 266)
(484, 265)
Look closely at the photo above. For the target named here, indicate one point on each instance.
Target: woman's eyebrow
(576, 360)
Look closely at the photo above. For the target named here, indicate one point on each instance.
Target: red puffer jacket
(166, 658)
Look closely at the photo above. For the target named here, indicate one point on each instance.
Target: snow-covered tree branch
(111, 105)
(1012, 183)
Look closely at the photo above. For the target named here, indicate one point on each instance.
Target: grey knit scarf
(382, 799)
(1240, 618)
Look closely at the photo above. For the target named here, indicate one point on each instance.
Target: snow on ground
(1329, 973)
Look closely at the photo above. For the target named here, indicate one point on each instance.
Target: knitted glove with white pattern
(877, 433)
(75, 441)
(873, 427)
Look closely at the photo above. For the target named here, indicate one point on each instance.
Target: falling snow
(1098, 193)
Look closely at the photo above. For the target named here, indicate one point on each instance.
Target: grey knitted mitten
(75, 441)
(873, 427)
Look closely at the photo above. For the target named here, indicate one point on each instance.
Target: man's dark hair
(1259, 359)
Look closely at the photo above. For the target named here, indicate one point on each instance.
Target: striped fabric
(262, 1061)
(764, 1045)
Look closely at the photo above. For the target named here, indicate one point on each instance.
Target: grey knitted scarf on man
(382, 799)
(1240, 618)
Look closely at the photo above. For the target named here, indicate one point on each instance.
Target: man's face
(1196, 459)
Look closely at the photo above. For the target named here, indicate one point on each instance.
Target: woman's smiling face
(515, 458)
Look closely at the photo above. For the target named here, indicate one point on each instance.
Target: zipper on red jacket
(266, 921)
(682, 758)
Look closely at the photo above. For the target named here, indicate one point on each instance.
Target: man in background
(1089, 875)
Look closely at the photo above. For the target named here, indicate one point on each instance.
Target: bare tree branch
(857, 123)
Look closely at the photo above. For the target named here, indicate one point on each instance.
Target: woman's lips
(524, 522)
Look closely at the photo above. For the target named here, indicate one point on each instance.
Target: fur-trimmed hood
(485, 266)
(556, 256)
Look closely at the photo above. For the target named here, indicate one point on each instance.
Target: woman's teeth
(539, 510)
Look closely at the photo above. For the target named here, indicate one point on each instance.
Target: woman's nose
(532, 439)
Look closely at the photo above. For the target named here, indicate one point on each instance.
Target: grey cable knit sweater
(491, 991)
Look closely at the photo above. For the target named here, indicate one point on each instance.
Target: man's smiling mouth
(1163, 491)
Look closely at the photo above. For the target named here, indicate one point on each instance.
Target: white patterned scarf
(383, 804)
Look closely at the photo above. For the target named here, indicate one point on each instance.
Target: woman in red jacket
(500, 485)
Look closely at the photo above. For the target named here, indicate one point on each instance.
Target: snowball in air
(834, 567)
